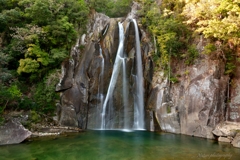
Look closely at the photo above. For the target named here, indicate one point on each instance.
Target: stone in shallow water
(224, 139)
(12, 133)
(236, 141)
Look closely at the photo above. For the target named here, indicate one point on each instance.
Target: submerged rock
(13, 132)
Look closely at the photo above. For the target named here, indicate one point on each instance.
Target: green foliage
(215, 19)
(28, 65)
(165, 24)
(174, 79)
(35, 37)
(14, 91)
(34, 117)
(40, 33)
(8, 96)
(27, 104)
(169, 109)
(44, 94)
(209, 48)
(5, 74)
(112, 8)
(191, 55)
(230, 68)
(231, 62)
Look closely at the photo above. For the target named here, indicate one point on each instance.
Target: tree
(165, 24)
(112, 8)
(36, 36)
(40, 33)
(217, 19)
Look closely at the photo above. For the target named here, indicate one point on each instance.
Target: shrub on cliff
(112, 8)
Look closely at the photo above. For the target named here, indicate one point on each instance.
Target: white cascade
(115, 73)
(139, 97)
(100, 87)
(120, 60)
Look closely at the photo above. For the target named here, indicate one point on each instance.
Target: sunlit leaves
(218, 19)
(165, 24)
(41, 32)
(28, 65)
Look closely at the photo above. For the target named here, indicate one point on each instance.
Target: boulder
(218, 132)
(13, 132)
(224, 139)
(226, 129)
(236, 141)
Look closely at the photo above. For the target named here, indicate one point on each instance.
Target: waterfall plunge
(138, 93)
(100, 87)
(139, 100)
(116, 69)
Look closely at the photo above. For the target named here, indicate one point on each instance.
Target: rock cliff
(201, 103)
(86, 75)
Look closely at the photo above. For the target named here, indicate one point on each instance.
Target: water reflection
(105, 145)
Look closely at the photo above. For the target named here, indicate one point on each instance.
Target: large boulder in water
(13, 132)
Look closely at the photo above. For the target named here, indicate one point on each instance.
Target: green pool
(119, 145)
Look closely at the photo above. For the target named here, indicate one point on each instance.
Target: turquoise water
(119, 145)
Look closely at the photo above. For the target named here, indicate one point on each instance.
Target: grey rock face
(83, 85)
(12, 133)
(233, 108)
(196, 104)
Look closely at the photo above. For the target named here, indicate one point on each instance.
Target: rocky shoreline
(19, 126)
(13, 132)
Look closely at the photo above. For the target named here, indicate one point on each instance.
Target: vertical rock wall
(233, 110)
(79, 84)
(195, 104)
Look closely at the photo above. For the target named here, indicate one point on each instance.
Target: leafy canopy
(218, 19)
(40, 33)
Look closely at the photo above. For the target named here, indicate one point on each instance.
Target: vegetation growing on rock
(37, 35)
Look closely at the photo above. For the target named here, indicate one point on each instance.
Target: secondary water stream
(119, 145)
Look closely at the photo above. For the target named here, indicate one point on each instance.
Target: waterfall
(138, 91)
(100, 87)
(139, 101)
(116, 69)
(126, 124)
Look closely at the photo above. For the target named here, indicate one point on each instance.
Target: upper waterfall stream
(138, 91)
